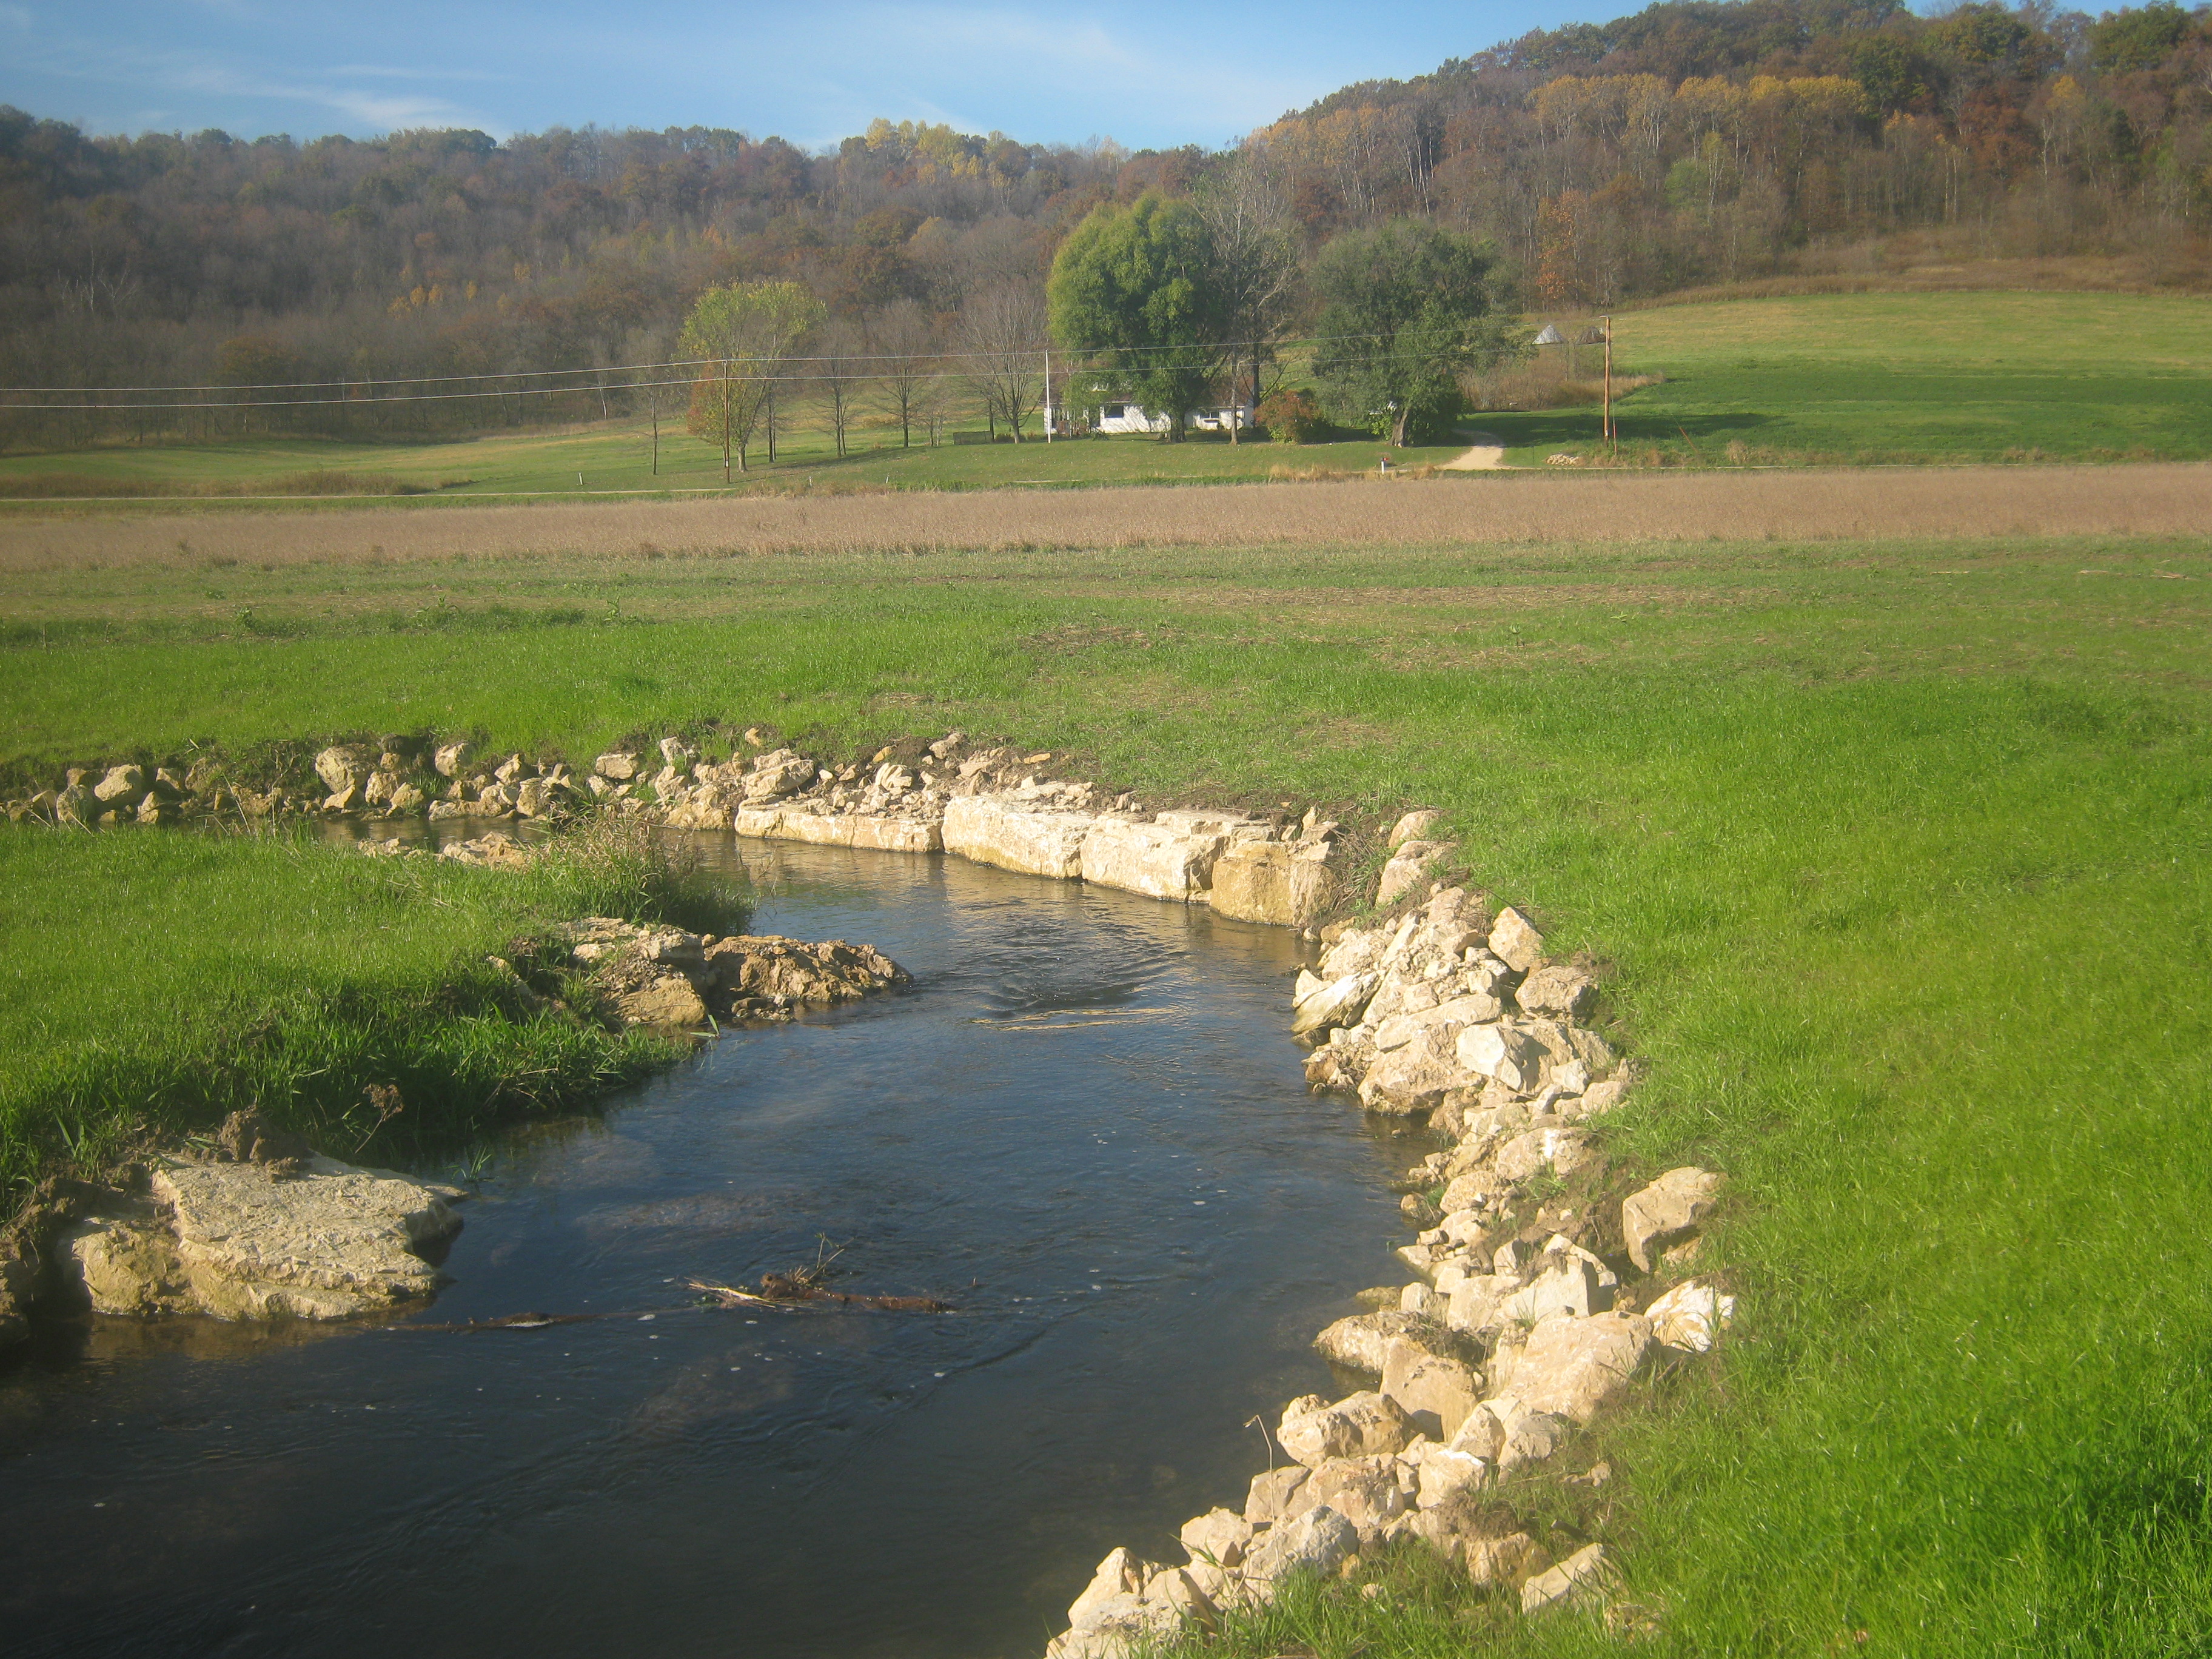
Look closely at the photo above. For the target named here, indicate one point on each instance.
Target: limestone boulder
(1441, 1473)
(1602, 1097)
(989, 829)
(241, 1241)
(1151, 859)
(1569, 1282)
(1583, 1571)
(1316, 1541)
(1274, 1496)
(767, 967)
(124, 783)
(1503, 1052)
(1370, 1491)
(1313, 1431)
(1330, 1002)
(1689, 1317)
(880, 832)
(1408, 866)
(1559, 992)
(1414, 1077)
(1442, 1021)
(1514, 938)
(1435, 1391)
(1358, 1342)
(779, 772)
(1667, 1212)
(1572, 1367)
(1282, 883)
(1554, 1146)
(342, 767)
(667, 1001)
(1414, 826)
(1217, 1538)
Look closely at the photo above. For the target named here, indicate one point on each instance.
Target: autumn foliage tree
(741, 338)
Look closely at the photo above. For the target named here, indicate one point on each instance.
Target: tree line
(1695, 141)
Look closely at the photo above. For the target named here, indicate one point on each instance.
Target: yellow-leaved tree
(740, 339)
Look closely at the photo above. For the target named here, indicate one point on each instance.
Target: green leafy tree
(1405, 311)
(1132, 292)
(742, 338)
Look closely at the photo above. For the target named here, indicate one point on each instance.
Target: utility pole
(1047, 394)
(1609, 434)
(725, 422)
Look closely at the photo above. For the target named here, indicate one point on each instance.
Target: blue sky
(1142, 74)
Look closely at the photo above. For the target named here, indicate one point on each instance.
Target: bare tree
(1255, 259)
(902, 341)
(1002, 346)
(842, 375)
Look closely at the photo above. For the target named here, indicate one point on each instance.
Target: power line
(707, 366)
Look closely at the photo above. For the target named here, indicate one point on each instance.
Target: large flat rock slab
(241, 1241)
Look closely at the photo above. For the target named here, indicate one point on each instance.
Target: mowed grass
(150, 984)
(1842, 379)
(1897, 853)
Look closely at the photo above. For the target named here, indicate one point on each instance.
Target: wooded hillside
(1698, 140)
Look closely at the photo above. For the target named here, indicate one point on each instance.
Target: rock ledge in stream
(665, 976)
(243, 1241)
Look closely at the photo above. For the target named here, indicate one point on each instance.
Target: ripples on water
(1085, 1127)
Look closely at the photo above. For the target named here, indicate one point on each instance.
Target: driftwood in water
(786, 1290)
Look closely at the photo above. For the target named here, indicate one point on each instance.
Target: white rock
(1503, 1560)
(1514, 937)
(1667, 1212)
(1359, 1341)
(451, 760)
(1217, 1538)
(1274, 1496)
(1573, 1366)
(988, 830)
(1435, 1391)
(1316, 1541)
(617, 766)
(1583, 1569)
(1333, 1002)
(1501, 1051)
(1414, 826)
(1289, 886)
(1555, 1147)
(1562, 993)
(1366, 1490)
(1690, 1316)
(1443, 1473)
(1313, 1431)
(1408, 867)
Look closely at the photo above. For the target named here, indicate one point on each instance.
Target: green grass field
(616, 457)
(155, 983)
(1903, 377)
(1897, 853)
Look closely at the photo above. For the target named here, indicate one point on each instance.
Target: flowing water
(1085, 1127)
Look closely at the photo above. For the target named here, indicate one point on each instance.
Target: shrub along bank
(1895, 858)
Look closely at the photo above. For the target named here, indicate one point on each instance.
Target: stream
(1085, 1127)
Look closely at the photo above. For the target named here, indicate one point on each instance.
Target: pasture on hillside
(1894, 852)
(1855, 379)
(1904, 377)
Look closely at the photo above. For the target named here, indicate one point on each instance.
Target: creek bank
(994, 805)
(1546, 1285)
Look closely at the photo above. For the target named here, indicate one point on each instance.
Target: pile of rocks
(663, 976)
(1543, 1288)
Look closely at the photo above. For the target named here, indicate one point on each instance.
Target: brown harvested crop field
(2165, 499)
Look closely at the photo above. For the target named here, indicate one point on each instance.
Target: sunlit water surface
(1083, 1126)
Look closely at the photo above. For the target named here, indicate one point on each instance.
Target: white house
(1124, 417)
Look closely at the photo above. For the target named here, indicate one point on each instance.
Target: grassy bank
(1898, 855)
(154, 983)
